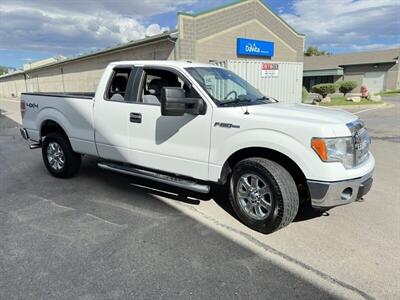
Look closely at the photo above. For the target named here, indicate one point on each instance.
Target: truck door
(111, 115)
(178, 144)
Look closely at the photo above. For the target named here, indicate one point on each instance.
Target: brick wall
(212, 36)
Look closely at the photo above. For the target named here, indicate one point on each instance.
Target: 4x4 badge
(32, 105)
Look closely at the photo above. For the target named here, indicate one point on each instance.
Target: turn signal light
(23, 108)
(319, 147)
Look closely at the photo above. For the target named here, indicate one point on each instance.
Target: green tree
(347, 86)
(314, 51)
(324, 89)
(2, 71)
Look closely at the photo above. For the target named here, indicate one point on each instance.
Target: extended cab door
(178, 144)
(112, 113)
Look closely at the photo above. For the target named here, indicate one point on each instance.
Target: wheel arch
(50, 126)
(285, 161)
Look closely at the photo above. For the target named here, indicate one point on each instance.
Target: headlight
(335, 149)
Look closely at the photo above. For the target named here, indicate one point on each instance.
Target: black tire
(283, 196)
(72, 160)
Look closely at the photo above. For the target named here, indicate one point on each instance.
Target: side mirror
(174, 103)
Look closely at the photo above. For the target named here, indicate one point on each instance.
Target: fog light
(346, 194)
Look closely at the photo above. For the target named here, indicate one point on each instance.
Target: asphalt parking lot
(101, 235)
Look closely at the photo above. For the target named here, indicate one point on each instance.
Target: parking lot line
(364, 110)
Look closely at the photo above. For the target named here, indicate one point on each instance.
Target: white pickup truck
(197, 125)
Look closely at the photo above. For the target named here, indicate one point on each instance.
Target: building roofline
(369, 63)
(135, 43)
(366, 52)
(360, 58)
(279, 17)
(159, 37)
(238, 2)
(11, 74)
(211, 9)
(356, 53)
(323, 69)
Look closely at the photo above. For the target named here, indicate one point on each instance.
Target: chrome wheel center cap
(254, 196)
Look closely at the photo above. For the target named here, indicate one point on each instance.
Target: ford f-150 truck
(197, 126)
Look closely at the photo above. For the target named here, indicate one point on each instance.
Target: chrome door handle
(135, 118)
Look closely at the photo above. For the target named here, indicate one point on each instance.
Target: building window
(309, 82)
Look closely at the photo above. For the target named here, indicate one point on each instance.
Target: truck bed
(72, 111)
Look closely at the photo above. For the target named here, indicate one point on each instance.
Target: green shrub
(392, 92)
(304, 94)
(347, 86)
(324, 89)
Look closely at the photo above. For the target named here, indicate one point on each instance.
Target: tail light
(23, 108)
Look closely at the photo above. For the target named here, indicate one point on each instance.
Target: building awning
(326, 72)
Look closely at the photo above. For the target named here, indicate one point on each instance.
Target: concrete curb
(382, 105)
(11, 99)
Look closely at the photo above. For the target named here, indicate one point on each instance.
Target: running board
(175, 181)
(35, 146)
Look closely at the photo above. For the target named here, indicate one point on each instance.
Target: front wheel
(263, 194)
(59, 158)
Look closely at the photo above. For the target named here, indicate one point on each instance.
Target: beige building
(208, 36)
(44, 62)
(378, 70)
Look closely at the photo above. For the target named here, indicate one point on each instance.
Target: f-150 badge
(226, 125)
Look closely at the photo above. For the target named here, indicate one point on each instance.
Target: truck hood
(302, 112)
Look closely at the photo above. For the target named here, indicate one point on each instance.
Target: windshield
(225, 87)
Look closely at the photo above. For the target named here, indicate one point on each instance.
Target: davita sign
(248, 47)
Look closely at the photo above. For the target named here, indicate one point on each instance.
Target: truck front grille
(361, 145)
(361, 141)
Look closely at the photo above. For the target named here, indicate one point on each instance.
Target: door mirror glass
(175, 103)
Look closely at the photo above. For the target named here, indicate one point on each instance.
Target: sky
(34, 30)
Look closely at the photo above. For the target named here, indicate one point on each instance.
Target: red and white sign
(269, 70)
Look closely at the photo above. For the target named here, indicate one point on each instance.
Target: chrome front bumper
(330, 194)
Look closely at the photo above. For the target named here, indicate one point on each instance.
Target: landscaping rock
(327, 99)
(315, 101)
(354, 99)
(376, 98)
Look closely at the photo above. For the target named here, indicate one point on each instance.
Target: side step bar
(174, 181)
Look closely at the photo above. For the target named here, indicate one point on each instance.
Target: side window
(155, 80)
(117, 87)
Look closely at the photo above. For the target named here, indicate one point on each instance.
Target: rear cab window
(117, 89)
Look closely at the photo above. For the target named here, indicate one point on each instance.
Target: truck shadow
(219, 194)
(103, 232)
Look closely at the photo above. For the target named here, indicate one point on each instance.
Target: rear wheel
(263, 194)
(59, 158)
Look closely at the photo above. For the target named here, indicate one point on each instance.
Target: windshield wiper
(267, 98)
(263, 98)
(235, 101)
